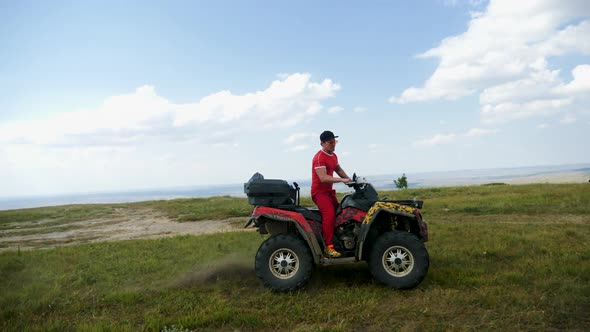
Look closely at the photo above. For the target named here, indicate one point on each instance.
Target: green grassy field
(503, 257)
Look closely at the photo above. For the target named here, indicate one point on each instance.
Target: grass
(52, 216)
(530, 199)
(502, 258)
(193, 209)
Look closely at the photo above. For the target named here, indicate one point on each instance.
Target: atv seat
(309, 213)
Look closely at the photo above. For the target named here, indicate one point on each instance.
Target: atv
(388, 234)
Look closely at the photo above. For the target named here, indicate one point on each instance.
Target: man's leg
(325, 204)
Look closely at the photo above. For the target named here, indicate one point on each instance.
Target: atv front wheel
(399, 260)
(284, 263)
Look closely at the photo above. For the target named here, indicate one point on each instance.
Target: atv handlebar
(357, 182)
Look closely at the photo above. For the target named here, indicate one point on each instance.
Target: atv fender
(273, 221)
(379, 219)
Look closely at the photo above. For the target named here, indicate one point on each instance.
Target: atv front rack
(408, 202)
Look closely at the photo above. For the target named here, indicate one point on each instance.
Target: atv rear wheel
(284, 263)
(399, 260)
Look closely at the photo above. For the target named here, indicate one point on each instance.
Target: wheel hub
(283, 263)
(398, 261)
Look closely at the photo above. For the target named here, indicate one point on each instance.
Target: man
(324, 164)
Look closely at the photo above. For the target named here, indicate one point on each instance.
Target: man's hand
(345, 180)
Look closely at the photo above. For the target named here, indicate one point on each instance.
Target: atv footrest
(337, 261)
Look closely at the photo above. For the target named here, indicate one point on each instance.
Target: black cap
(327, 135)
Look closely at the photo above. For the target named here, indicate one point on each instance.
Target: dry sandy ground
(571, 177)
(123, 225)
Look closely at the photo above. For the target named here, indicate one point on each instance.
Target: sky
(127, 95)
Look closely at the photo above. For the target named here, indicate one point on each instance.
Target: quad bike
(388, 234)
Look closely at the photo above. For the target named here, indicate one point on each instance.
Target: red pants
(327, 204)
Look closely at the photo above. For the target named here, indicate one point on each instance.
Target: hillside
(503, 257)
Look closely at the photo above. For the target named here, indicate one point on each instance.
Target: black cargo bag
(269, 192)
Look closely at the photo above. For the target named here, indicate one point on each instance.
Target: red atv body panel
(350, 214)
(261, 211)
(345, 216)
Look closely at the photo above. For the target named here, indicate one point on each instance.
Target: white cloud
(144, 140)
(284, 103)
(359, 109)
(533, 87)
(580, 84)
(436, 140)
(568, 40)
(479, 132)
(440, 139)
(300, 147)
(504, 55)
(143, 116)
(568, 119)
(542, 126)
(120, 120)
(298, 137)
(373, 147)
(335, 109)
(515, 111)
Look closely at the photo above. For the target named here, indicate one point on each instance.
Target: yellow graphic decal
(387, 206)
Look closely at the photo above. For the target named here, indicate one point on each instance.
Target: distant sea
(534, 174)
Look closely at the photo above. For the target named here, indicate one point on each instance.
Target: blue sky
(101, 95)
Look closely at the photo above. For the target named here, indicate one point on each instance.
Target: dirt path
(123, 225)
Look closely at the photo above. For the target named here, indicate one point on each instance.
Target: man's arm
(325, 178)
(341, 173)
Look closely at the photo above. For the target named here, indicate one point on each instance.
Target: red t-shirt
(322, 159)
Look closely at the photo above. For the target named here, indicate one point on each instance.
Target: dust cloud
(232, 267)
